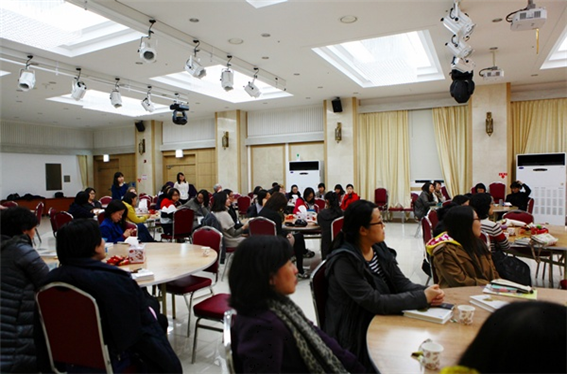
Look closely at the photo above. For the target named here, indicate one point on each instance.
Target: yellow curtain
(384, 148)
(539, 126)
(83, 169)
(451, 125)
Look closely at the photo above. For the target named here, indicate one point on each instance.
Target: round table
(168, 262)
(391, 339)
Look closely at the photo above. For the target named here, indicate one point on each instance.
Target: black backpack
(512, 268)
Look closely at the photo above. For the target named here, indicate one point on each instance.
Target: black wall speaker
(337, 106)
(140, 126)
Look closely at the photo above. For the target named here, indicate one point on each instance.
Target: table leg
(163, 299)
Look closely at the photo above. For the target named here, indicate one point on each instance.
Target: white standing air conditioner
(304, 174)
(546, 175)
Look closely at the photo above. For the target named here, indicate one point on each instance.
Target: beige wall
(228, 159)
(490, 153)
(267, 165)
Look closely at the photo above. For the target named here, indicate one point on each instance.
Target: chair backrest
(105, 200)
(39, 212)
(100, 217)
(243, 204)
(319, 292)
(183, 222)
(445, 192)
(473, 190)
(9, 204)
(414, 197)
(209, 237)
(531, 206)
(51, 214)
(61, 218)
(261, 226)
(446, 203)
(519, 215)
(320, 202)
(381, 198)
(77, 339)
(433, 218)
(497, 190)
(227, 340)
(484, 237)
(427, 230)
(336, 226)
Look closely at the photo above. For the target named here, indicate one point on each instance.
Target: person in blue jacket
(113, 227)
(119, 187)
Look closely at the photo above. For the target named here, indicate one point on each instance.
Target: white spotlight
(194, 67)
(227, 80)
(115, 97)
(459, 23)
(462, 65)
(147, 103)
(251, 88)
(460, 48)
(147, 51)
(78, 89)
(26, 80)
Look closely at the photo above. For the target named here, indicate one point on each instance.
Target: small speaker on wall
(337, 106)
(140, 126)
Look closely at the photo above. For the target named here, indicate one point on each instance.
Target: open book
(487, 302)
(437, 315)
(512, 285)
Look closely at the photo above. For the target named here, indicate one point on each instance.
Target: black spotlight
(462, 87)
(179, 116)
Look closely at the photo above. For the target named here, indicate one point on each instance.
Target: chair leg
(226, 263)
(189, 304)
(194, 352)
(173, 305)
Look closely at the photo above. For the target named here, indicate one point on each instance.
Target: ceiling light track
(128, 16)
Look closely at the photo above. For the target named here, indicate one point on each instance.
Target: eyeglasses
(476, 219)
(376, 223)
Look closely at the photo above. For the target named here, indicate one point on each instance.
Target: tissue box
(136, 254)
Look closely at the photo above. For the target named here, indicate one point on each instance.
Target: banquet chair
(473, 190)
(100, 217)
(227, 340)
(531, 206)
(9, 204)
(497, 190)
(38, 214)
(319, 292)
(427, 235)
(243, 205)
(433, 218)
(519, 215)
(72, 340)
(212, 309)
(105, 200)
(445, 192)
(320, 202)
(381, 200)
(484, 237)
(336, 226)
(182, 225)
(204, 236)
(51, 214)
(261, 226)
(60, 218)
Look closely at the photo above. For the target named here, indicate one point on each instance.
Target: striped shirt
(375, 266)
(497, 238)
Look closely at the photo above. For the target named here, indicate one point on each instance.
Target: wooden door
(104, 175)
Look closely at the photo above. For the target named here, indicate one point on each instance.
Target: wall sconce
(225, 140)
(489, 123)
(178, 153)
(338, 132)
(106, 158)
(142, 146)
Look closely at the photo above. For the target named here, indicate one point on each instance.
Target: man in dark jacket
(22, 271)
(518, 198)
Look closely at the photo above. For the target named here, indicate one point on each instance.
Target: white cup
(206, 251)
(466, 313)
(431, 354)
(511, 231)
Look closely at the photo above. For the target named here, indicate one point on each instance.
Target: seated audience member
(441, 212)
(308, 200)
(320, 193)
(437, 193)
(533, 326)
(130, 200)
(80, 207)
(271, 333)
(273, 210)
(171, 198)
(479, 188)
(231, 209)
(92, 199)
(162, 194)
(340, 192)
(255, 192)
(200, 206)
(294, 194)
(325, 218)
(482, 204)
(276, 189)
(261, 199)
(217, 188)
(364, 280)
(518, 198)
(22, 271)
(349, 197)
(113, 227)
(460, 199)
(232, 235)
(129, 315)
(424, 201)
(460, 257)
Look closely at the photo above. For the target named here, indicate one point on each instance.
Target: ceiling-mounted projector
(529, 19)
(491, 73)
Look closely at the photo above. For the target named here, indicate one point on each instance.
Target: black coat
(21, 274)
(81, 211)
(356, 294)
(128, 324)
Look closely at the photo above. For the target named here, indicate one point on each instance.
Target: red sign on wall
(503, 175)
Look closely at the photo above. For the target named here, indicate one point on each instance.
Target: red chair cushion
(187, 285)
(213, 307)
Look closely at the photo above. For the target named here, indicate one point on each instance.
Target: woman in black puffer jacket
(22, 270)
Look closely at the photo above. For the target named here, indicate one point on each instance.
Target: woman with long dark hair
(113, 227)
(271, 334)
(325, 217)
(364, 280)
(308, 200)
(118, 188)
(183, 187)
(425, 200)
(80, 207)
(460, 257)
(93, 203)
(200, 206)
(232, 235)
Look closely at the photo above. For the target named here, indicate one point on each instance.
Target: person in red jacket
(349, 197)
